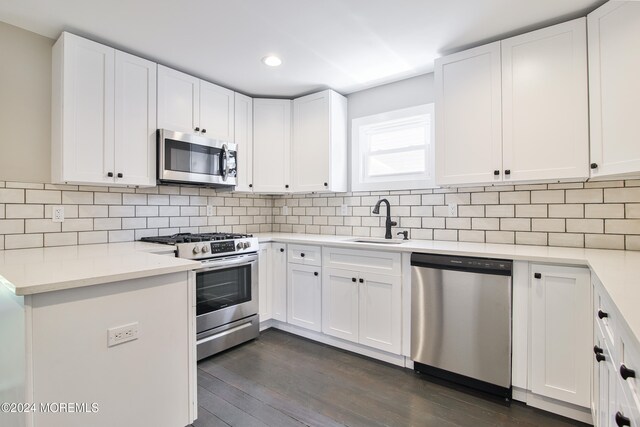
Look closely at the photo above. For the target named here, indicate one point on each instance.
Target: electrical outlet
(343, 210)
(57, 214)
(122, 334)
(285, 210)
(453, 209)
(209, 210)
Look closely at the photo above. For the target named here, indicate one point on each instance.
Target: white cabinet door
(178, 101)
(216, 111)
(545, 104)
(561, 333)
(468, 116)
(319, 145)
(135, 120)
(264, 281)
(304, 296)
(381, 311)
(244, 138)
(614, 88)
(82, 150)
(603, 384)
(271, 145)
(279, 281)
(340, 303)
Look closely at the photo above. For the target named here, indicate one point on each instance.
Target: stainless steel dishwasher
(461, 320)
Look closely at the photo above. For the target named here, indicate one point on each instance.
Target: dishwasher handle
(497, 267)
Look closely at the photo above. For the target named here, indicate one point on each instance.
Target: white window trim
(356, 164)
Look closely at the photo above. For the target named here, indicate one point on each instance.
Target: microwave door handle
(225, 162)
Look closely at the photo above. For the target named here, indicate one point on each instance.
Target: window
(393, 151)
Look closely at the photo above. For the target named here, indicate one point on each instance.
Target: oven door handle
(218, 265)
(225, 162)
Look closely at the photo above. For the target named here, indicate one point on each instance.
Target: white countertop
(619, 271)
(33, 271)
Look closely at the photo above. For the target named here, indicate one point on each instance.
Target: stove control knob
(239, 246)
(205, 249)
(246, 245)
(196, 250)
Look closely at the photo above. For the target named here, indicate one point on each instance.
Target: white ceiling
(347, 45)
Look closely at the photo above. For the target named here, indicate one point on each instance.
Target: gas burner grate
(194, 237)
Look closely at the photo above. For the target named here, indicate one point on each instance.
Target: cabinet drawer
(629, 356)
(625, 406)
(370, 261)
(307, 255)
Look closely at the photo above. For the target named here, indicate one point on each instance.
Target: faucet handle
(405, 233)
(393, 223)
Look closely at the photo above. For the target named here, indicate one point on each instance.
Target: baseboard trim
(393, 359)
(560, 408)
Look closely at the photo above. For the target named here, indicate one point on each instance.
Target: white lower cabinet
(360, 306)
(278, 277)
(265, 283)
(304, 296)
(561, 335)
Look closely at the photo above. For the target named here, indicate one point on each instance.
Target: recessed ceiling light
(272, 60)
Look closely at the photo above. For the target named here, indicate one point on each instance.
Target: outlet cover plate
(209, 210)
(122, 334)
(57, 214)
(453, 209)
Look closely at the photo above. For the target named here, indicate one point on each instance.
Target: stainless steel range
(226, 287)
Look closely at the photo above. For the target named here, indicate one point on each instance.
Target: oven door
(184, 157)
(226, 290)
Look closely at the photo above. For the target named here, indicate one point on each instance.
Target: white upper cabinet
(468, 116)
(244, 139)
(271, 145)
(188, 104)
(319, 146)
(614, 88)
(216, 111)
(103, 115)
(135, 120)
(515, 110)
(545, 104)
(178, 100)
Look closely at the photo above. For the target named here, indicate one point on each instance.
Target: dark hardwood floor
(283, 380)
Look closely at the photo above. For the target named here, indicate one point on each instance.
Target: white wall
(25, 105)
(393, 96)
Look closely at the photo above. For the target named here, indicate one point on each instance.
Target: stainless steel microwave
(193, 159)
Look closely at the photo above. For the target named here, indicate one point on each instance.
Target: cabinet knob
(301, 255)
(361, 280)
(602, 314)
(326, 184)
(250, 185)
(204, 130)
(600, 357)
(281, 249)
(119, 175)
(315, 273)
(286, 186)
(626, 372)
(597, 350)
(197, 129)
(537, 275)
(594, 166)
(496, 172)
(353, 279)
(507, 172)
(621, 420)
(110, 174)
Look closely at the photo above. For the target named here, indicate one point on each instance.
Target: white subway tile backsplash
(60, 239)
(107, 223)
(132, 223)
(23, 241)
(41, 226)
(498, 211)
(531, 238)
(548, 224)
(8, 195)
(605, 210)
(507, 237)
(91, 211)
(11, 226)
(566, 239)
(585, 225)
(471, 236)
(485, 223)
(122, 211)
(79, 224)
(491, 198)
(593, 195)
(153, 199)
(77, 198)
(547, 196)
(622, 226)
(107, 198)
(43, 196)
(121, 236)
(24, 211)
(146, 210)
(632, 210)
(515, 197)
(604, 241)
(566, 211)
(134, 199)
(620, 195)
(451, 235)
(158, 222)
(531, 211)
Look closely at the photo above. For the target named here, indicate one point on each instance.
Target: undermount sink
(383, 241)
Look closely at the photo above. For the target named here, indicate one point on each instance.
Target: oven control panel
(222, 247)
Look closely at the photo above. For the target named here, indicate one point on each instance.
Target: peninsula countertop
(33, 271)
